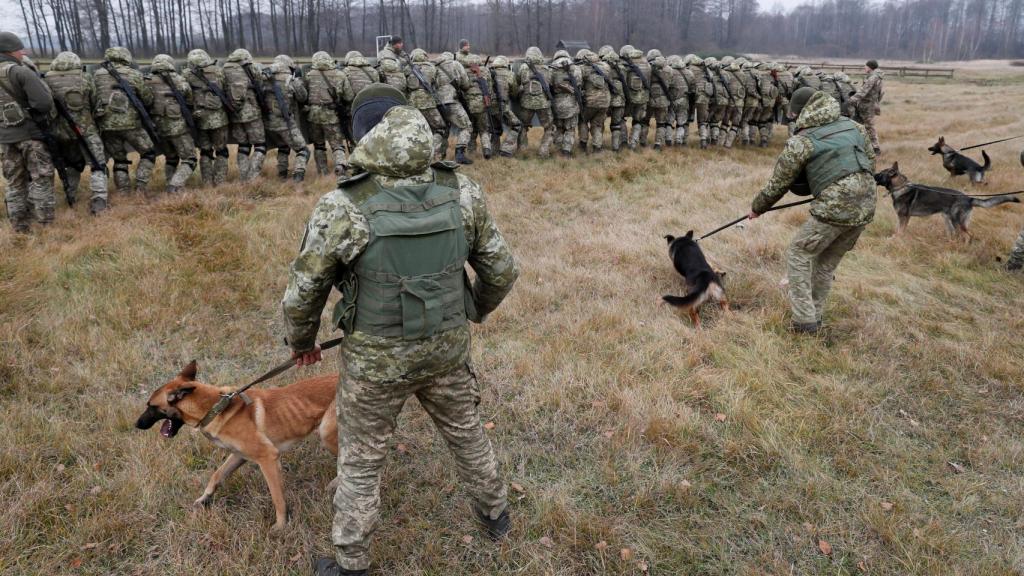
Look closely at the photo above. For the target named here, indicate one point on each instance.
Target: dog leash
(225, 399)
(945, 193)
(742, 218)
(992, 142)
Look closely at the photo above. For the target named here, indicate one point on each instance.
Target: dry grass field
(635, 444)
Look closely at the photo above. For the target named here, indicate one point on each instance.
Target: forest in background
(921, 30)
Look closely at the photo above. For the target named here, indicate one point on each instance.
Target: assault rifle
(129, 92)
(339, 110)
(186, 112)
(56, 155)
(282, 102)
(496, 123)
(198, 73)
(597, 70)
(433, 94)
(540, 78)
(65, 114)
(581, 100)
(254, 83)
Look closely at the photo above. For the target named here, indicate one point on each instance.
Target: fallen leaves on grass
(825, 547)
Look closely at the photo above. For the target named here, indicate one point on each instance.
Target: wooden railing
(901, 71)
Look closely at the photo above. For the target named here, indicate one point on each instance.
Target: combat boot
(805, 327)
(329, 567)
(1014, 265)
(97, 206)
(504, 154)
(497, 528)
(320, 155)
(299, 176)
(460, 155)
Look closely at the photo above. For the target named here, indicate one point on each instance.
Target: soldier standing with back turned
(207, 82)
(172, 104)
(865, 102)
(121, 122)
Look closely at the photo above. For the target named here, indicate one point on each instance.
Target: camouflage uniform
(169, 116)
(769, 92)
(285, 93)
(74, 88)
(704, 92)
(619, 95)
(386, 53)
(120, 123)
(597, 90)
(679, 93)
(390, 74)
(865, 104)
(787, 85)
(535, 100)
(421, 98)
(804, 76)
(379, 372)
(243, 85)
(845, 91)
(565, 108)
(1016, 259)
(329, 89)
(660, 105)
(737, 97)
(839, 213)
(719, 101)
(637, 73)
(505, 89)
(479, 95)
(751, 102)
(27, 165)
(360, 74)
(452, 80)
(211, 116)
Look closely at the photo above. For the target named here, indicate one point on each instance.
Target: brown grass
(604, 404)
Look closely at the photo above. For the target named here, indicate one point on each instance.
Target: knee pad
(206, 154)
(149, 155)
(283, 150)
(121, 166)
(616, 126)
(322, 147)
(223, 153)
(260, 148)
(191, 161)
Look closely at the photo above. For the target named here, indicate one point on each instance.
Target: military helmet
(604, 50)
(534, 55)
(472, 60)
(323, 61)
(803, 70)
(355, 58)
(800, 99)
(741, 60)
(353, 54)
(659, 62)
(588, 56)
(726, 60)
(446, 57)
(242, 56)
(842, 77)
(10, 42)
(162, 63)
(636, 54)
(284, 61)
(766, 66)
(66, 61)
(561, 54)
(118, 55)
(608, 54)
(625, 50)
(653, 53)
(198, 58)
(696, 61)
(675, 61)
(711, 62)
(499, 62)
(418, 55)
(733, 66)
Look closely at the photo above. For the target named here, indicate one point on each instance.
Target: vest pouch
(171, 109)
(344, 314)
(74, 99)
(421, 307)
(535, 89)
(467, 296)
(211, 101)
(13, 115)
(709, 88)
(118, 102)
(635, 83)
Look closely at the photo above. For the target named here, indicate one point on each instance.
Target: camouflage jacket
(113, 110)
(660, 98)
(767, 90)
(419, 95)
(870, 92)
(596, 85)
(715, 88)
(702, 88)
(679, 89)
(360, 74)
(638, 85)
(74, 88)
(531, 93)
(505, 86)
(239, 90)
(787, 84)
(751, 88)
(293, 92)
(451, 80)
(397, 152)
(327, 89)
(849, 201)
(480, 91)
(166, 111)
(209, 110)
(565, 104)
(736, 91)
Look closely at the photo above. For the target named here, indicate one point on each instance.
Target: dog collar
(222, 405)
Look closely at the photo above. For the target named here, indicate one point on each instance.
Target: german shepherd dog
(909, 199)
(957, 164)
(256, 427)
(702, 282)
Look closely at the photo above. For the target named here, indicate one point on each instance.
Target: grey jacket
(29, 91)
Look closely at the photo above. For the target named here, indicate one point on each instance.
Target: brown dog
(257, 428)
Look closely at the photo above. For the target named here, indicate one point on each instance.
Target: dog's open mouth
(170, 427)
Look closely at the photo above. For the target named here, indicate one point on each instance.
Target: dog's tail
(994, 201)
(694, 296)
(988, 162)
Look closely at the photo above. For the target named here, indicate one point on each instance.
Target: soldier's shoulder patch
(445, 165)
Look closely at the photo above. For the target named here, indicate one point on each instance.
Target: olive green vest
(838, 152)
(410, 281)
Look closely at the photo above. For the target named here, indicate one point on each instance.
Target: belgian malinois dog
(257, 426)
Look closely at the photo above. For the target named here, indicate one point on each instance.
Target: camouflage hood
(66, 61)
(400, 146)
(820, 109)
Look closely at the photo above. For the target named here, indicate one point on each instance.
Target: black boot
(298, 176)
(460, 156)
(328, 567)
(97, 206)
(497, 528)
(805, 328)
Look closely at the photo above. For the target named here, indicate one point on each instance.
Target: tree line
(923, 30)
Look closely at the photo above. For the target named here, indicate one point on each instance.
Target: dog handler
(833, 153)
(395, 239)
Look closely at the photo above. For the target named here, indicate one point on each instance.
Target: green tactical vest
(838, 152)
(410, 282)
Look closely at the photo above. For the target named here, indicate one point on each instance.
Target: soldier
(359, 72)
(719, 101)
(328, 89)
(121, 122)
(465, 51)
(660, 105)
(244, 88)
(565, 85)
(806, 77)
(74, 89)
(392, 349)
(390, 74)
(832, 153)
(751, 102)
(27, 165)
(597, 89)
(769, 91)
(394, 50)
(505, 89)
(702, 94)
(845, 91)
(787, 85)
(479, 96)
(619, 95)
(679, 94)
(534, 81)
(285, 93)
(172, 114)
(211, 113)
(420, 81)
(865, 102)
(637, 74)
(737, 97)
(451, 81)
(1015, 262)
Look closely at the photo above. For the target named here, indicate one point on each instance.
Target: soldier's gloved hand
(307, 358)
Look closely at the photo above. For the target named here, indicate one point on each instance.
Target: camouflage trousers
(461, 126)
(866, 116)
(748, 123)
(616, 124)
(812, 259)
(661, 127)
(1016, 259)
(765, 122)
(565, 133)
(118, 144)
(367, 415)
(702, 113)
(730, 125)
(440, 130)
(286, 141)
(679, 116)
(481, 127)
(323, 135)
(592, 128)
(213, 155)
(546, 119)
(179, 160)
(638, 117)
(76, 160)
(28, 170)
(511, 126)
(252, 148)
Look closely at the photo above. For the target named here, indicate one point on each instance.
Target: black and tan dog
(957, 164)
(909, 199)
(702, 282)
(257, 427)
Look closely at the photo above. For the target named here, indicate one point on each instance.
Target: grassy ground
(892, 445)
